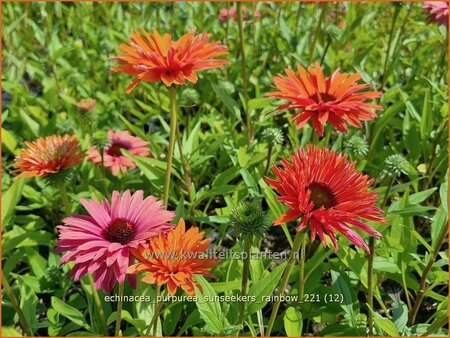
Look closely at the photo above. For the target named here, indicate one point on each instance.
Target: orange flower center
(119, 231)
(321, 195)
(115, 149)
(324, 97)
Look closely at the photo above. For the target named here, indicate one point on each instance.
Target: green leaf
(264, 288)
(28, 303)
(228, 101)
(426, 122)
(69, 312)
(293, 322)
(209, 308)
(385, 325)
(10, 199)
(350, 303)
(9, 141)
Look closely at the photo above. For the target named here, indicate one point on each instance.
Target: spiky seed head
(249, 219)
(396, 164)
(272, 135)
(357, 146)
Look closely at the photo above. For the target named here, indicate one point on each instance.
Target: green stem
(391, 36)
(370, 263)
(173, 129)
(65, 200)
(284, 281)
(269, 158)
(16, 306)
(316, 32)
(423, 280)
(99, 306)
(119, 310)
(154, 321)
(185, 165)
(245, 272)
(244, 71)
(301, 265)
(325, 50)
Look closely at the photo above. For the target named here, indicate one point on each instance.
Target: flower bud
(249, 219)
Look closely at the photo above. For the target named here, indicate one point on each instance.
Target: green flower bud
(396, 164)
(357, 146)
(100, 140)
(333, 33)
(272, 135)
(66, 127)
(249, 219)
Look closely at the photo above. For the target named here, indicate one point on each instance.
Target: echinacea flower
(49, 155)
(86, 105)
(327, 193)
(336, 99)
(112, 154)
(437, 11)
(174, 258)
(100, 243)
(151, 57)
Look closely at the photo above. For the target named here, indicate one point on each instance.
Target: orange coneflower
(174, 258)
(48, 155)
(327, 193)
(152, 58)
(337, 98)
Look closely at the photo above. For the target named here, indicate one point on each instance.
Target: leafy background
(55, 54)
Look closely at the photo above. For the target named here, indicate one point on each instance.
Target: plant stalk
(269, 158)
(244, 71)
(245, 272)
(284, 280)
(154, 321)
(65, 200)
(391, 36)
(15, 303)
(119, 310)
(99, 306)
(370, 262)
(173, 130)
(316, 32)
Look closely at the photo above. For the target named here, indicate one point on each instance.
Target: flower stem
(173, 129)
(269, 158)
(370, 263)
(119, 310)
(156, 309)
(245, 272)
(65, 200)
(301, 265)
(244, 72)
(423, 279)
(99, 306)
(325, 50)
(16, 306)
(391, 36)
(316, 32)
(284, 281)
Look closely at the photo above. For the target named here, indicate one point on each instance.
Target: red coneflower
(326, 191)
(174, 258)
(48, 155)
(152, 58)
(100, 243)
(437, 11)
(112, 155)
(337, 98)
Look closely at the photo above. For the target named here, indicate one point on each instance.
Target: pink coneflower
(437, 11)
(231, 14)
(112, 155)
(100, 243)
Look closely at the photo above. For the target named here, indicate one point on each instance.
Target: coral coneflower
(112, 155)
(100, 242)
(437, 11)
(174, 258)
(336, 99)
(326, 191)
(153, 58)
(48, 155)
